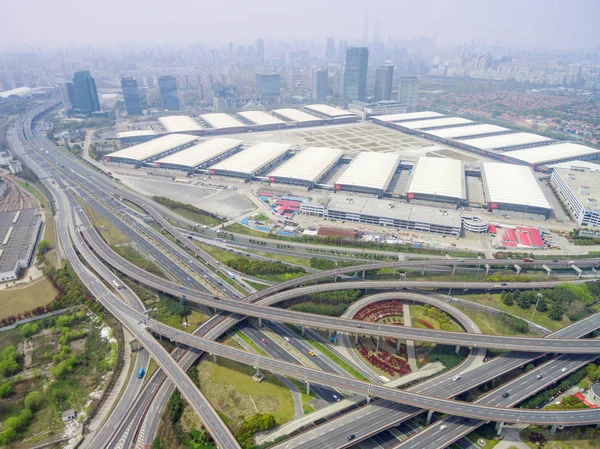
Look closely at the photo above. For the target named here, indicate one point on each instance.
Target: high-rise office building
(319, 86)
(131, 95)
(330, 49)
(383, 83)
(168, 92)
(83, 93)
(355, 76)
(268, 84)
(408, 92)
(260, 51)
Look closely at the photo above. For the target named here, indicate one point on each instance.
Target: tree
(8, 361)
(43, 247)
(33, 400)
(507, 298)
(556, 312)
(5, 389)
(542, 306)
(157, 443)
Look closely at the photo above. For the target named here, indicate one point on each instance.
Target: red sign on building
(107, 159)
(212, 172)
(271, 178)
(411, 196)
(338, 187)
(493, 205)
(158, 165)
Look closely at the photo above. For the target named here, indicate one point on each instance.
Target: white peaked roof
(252, 159)
(200, 153)
(295, 115)
(136, 133)
(179, 123)
(152, 148)
(436, 123)
(260, 118)
(505, 141)
(512, 184)
(408, 116)
(438, 176)
(329, 111)
(371, 170)
(309, 165)
(552, 153)
(219, 120)
(467, 131)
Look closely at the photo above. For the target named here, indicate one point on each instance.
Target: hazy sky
(527, 23)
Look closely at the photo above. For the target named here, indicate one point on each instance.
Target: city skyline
(518, 24)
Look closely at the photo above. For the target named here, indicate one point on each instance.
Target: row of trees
(440, 316)
(327, 264)
(253, 266)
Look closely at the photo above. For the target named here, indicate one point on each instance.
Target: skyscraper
(355, 76)
(319, 87)
(383, 83)
(330, 49)
(260, 51)
(408, 92)
(131, 95)
(268, 84)
(168, 92)
(83, 93)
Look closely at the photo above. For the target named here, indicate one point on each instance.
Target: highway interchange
(197, 292)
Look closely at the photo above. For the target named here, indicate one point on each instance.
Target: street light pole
(539, 296)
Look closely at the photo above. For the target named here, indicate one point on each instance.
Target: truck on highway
(116, 284)
(528, 259)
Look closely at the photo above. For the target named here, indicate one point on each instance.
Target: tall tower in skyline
(168, 92)
(260, 51)
(408, 92)
(131, 95)
(383, 83)
(83, 93)
(319, 87)
(355, 76)
(330, 49)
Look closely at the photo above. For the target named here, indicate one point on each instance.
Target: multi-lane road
(134, 321)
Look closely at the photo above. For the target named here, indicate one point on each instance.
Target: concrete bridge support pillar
(214, 358)
(453, 269)
(302, 329)
(355, 339)
(457, 349)
(329, 333)
(553, 429)
(368, 399)
(398, 345)
(429, 415)
(363, 274)
(257, 371)
(499, 426)
(487, 269)
(378, 338)
(260, 322)
(307, 388)
(423, 271)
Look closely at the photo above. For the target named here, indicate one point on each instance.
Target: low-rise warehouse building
(151, 150)
(251, 161)
(546, 154)
(222, 122)
(201, 155)
(369, 173)
(19, 232)
(179, 124)
(307, 167)
(331, 113)
(577, 165)
(262, 119)
(580, 191)
(300, 118)
(463, 132)
(504, 142)
(136, 136)
(433, 123)
(513, 188)
(437, 180)
(389, 214)
(405, 117)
